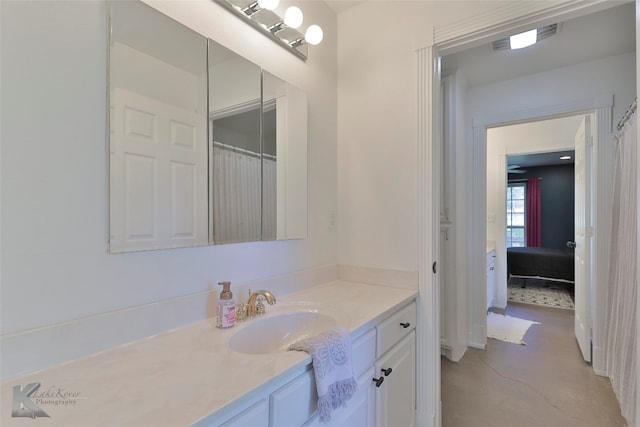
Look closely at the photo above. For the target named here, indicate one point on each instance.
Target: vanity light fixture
(293, 17)
(314, 35)
(261, 15)
(268, 4)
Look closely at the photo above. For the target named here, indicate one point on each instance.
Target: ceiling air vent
(542, 33)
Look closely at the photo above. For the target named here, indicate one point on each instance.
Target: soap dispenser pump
(226, 315)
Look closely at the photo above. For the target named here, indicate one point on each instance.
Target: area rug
(507, 328)
(539, 292)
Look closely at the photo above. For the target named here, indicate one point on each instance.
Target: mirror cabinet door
(235, 147)
(158, 126)
(273, 123)
(284, 159)
(171, 185)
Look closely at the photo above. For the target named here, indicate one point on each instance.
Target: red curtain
(534, 229)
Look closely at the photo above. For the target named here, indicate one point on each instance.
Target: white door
(158, 174)
(583, 235)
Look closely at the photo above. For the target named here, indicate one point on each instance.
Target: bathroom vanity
(384, 366)
(192, 375)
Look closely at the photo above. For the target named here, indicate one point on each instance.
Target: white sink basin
(277, 332)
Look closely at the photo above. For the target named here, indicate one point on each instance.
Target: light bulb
(313, 35)
(293, 17)
(268, 4)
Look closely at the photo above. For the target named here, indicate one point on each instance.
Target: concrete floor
(543, 384)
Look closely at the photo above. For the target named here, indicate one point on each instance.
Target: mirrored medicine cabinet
(205, 146)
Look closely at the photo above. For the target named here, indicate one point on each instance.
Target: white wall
(377, 122)
(453, 253)
(611, 75)
(55, 265)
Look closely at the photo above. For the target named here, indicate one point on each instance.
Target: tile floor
(543, 384)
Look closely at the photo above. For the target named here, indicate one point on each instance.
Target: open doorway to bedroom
(540, 240)
(531, 211)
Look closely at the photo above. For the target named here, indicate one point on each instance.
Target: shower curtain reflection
(236, 198)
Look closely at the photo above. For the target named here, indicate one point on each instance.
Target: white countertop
(182, 376)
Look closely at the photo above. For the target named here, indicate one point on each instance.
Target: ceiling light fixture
(519, 41)
(527, 38)
(261, 15)
(565, 158)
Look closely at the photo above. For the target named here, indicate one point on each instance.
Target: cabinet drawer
(395, 327)
(294, 403)
(364, 352)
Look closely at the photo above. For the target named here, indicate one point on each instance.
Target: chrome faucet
(252, 309)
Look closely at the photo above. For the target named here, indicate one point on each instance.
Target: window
(516, 202)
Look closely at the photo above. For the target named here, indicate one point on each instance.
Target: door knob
(571, 244)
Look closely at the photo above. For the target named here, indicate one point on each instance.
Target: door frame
(449, 39)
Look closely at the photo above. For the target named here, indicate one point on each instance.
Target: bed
(544, 263)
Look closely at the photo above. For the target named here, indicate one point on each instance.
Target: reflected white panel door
(158, 175)
(583, 148)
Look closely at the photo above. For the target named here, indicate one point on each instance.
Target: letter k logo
(22, 405)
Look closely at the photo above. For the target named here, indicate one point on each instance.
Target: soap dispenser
(226, 315)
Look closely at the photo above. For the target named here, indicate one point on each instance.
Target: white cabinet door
(254, 416)
(359, 410)
(396, 395)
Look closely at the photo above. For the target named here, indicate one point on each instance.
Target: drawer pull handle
(387, 371)
(405, 325)
(378, 381)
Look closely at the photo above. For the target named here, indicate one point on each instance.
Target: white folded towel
(331, 355)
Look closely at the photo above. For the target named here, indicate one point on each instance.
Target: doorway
(532, 234)
(528, 150)
(543, 101)
(518, 100)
